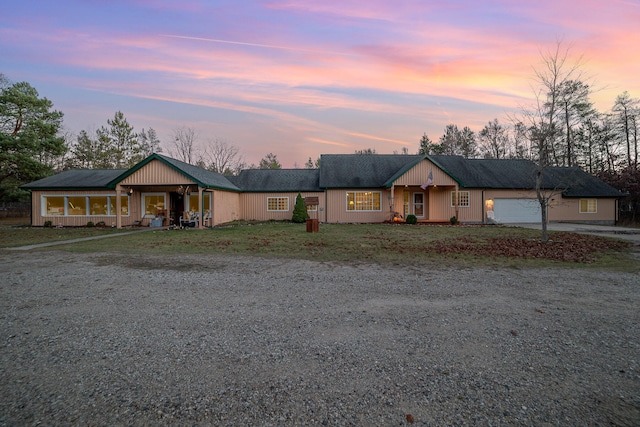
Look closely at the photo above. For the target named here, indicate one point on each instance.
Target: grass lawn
(402, 245)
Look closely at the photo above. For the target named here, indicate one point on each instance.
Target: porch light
(130, 191)
(489, 204)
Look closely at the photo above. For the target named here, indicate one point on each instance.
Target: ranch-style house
(350, 188)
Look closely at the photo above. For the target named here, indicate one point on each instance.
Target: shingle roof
(578, 183)
(351, 171)
(277, 180)
(361, 170)
(77, 178)
(489, 173)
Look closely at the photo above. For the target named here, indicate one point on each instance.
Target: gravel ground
(214, 340)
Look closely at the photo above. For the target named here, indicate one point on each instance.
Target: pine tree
(299, 210)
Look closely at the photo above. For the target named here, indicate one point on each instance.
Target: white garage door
(516, 210)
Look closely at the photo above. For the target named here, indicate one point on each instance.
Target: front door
(418, 204)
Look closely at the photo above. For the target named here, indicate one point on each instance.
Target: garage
(516, 210)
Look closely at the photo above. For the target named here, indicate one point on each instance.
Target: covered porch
(182, 205)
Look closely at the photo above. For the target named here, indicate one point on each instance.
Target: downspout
(326, 211)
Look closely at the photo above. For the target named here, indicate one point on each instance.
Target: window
(463, 199)
(99, 205)
(193, 202)
(77, 205)
(83, 205)
(588, 205)
(153, 204)
(364, 201)
(53, 205)
(277, 203)
(124, 206)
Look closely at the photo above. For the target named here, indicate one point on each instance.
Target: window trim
(588, 204)
(461, 197)
(355, 192)
(111, 203)
(143, 207)
(278, 204)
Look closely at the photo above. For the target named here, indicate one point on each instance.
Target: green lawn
(402, 245)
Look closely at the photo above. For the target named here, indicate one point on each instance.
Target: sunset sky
(300, 78)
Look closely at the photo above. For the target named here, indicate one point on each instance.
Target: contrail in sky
(268, 46)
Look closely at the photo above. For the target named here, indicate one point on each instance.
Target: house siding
(336, 202)
(226, 207)
(156, 173)
(254, 205)
(419, 174)
(568, 209)
(440, 208)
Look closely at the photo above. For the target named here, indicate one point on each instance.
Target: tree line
(561, 128)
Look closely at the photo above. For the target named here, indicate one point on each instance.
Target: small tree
(299, 210)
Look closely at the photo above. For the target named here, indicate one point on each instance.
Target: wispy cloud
(266, 46)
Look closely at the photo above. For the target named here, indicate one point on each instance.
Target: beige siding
(419, 174)
(254, 206)
(156, 173)
(336, 202)
(226, 207)
(565, 209)
(441, 209)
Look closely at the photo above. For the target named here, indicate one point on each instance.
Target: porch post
(200, 209)
(457, 203)
(392, 204)
(119, 206)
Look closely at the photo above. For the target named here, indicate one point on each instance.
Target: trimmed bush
(453, 220)
(48, 224)
(90, 224)
(412, 219)
(299, 210)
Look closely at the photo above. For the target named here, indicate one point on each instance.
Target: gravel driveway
(214, 340)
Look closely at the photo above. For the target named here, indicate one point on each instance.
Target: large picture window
(364, 201)
(153, 204)
(463, 199)
(588, 205)
(277, 203)
(53, 205)
(93, 205)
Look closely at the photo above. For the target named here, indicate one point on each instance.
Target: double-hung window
(588, 205)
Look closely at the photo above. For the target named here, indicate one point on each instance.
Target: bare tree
(493, 140)
(626, 112)
(184, 139)
(224, 158)
(542, 119)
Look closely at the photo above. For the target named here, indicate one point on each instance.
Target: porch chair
(188, 220)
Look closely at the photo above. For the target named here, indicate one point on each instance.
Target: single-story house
(351, 188)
